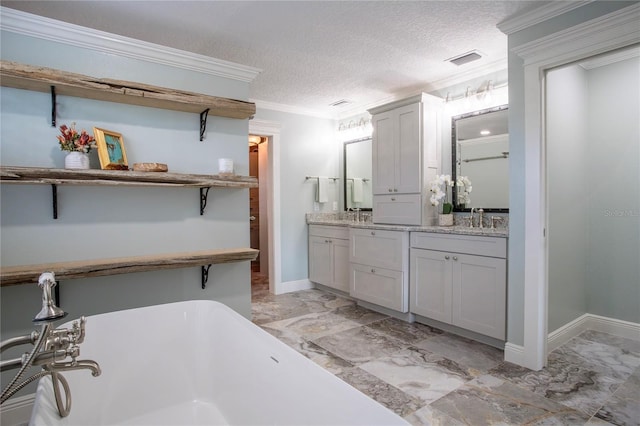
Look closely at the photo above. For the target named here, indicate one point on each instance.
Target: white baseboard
(289, 286)
(17, 411)
(514, 353)
(620, 328)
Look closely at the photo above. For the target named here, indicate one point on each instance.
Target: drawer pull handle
(446, 257)
(393, 198)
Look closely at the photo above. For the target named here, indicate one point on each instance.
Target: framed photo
(110, 149)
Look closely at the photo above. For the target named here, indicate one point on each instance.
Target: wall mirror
(480, 152)
(357, 174)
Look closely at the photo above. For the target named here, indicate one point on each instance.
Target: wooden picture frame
(110, 149)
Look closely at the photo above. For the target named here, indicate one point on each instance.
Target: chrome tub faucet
(56, 350)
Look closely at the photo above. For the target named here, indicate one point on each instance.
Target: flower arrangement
(440, 189)
(463, 187)
(70, 140)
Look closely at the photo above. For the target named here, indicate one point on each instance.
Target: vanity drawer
(401, 209)
(470, 244)
(379, 248)
(328, 231)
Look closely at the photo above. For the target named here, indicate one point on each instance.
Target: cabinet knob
(390, 190)
(395, 189)
(446, 257)
(373, 232)
(455, 257)
(393, 198)
(373, 271)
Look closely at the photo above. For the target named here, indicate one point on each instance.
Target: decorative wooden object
(25, 274)
(150, 167)
(42, 79)
(37, 175)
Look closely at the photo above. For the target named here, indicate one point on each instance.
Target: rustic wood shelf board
(25, 274)
(41, 79)
(36, 175)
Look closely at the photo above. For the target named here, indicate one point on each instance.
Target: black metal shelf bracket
(53, 106)
(205, 275)
(203, 123)
(204, 193)
(54, 199)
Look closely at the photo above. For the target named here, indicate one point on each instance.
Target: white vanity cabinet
(405, 158)
(378, 265)
(460, 280)
(329, 256)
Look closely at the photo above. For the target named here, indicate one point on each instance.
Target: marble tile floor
(431, 377)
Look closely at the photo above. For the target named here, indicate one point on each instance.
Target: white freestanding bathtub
(200, 363)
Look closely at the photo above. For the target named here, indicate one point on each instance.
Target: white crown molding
(530, 18)
(274, 106)
(74, 35)
(619, 29)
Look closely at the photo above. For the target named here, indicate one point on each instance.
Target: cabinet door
(380, 286)
(430, 284)
(408, 150)
(383, 147)
(479, 294)
(340, 250)
(320, 260)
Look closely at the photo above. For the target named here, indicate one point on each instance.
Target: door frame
(271, 130)
(609, 32)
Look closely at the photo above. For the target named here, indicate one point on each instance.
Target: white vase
(76, 160)
(445, 220)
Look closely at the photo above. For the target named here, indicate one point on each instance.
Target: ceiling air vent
(340, 103)
(465, 58)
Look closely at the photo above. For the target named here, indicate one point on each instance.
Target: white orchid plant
(463, 188)
(440, 190)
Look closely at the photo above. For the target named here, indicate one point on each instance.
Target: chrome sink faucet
(471, 218)
(480, 218)
(55, 350)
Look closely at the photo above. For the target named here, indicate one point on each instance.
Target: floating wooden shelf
(36, 175)
(25, 274)
(42, 79)
(55, 177)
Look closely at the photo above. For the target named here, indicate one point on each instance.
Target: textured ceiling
(313, 53)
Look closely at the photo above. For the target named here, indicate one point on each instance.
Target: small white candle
(225, 166)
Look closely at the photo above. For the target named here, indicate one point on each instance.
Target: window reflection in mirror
(480, 152)
(357, 174)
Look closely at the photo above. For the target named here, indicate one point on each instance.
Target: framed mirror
(480, 159)
(357, 174)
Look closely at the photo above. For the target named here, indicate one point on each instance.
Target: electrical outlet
(335, 206)
(316, 206)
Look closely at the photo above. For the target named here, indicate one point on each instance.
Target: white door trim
(609, 32)
(272, 131)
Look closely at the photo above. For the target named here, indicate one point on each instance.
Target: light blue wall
(567, 193)
(308, 147)
(614, 191)
(102, 222)
(517, 190)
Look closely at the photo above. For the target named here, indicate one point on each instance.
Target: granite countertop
(326, 219)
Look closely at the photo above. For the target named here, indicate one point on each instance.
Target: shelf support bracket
(54, 199)
(203, 123)
(205, 275)
(53, 106)
(204, 193)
